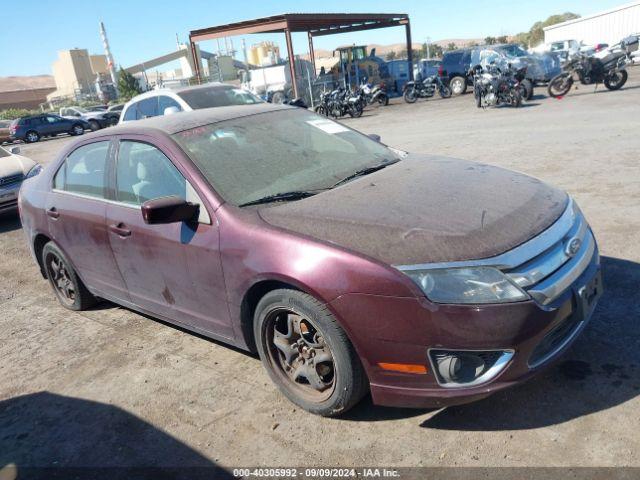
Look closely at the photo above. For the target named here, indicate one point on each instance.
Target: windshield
(4, 153)
(218, 97)
(513, 51)
(252, 157)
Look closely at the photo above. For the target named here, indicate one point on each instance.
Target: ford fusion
(349, 266)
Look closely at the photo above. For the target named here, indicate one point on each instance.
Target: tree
(490, 40)
(502, 39)
(535, 35)
(391, 55)
(451, 46)
(128, 86)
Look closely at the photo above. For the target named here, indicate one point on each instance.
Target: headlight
(35, 170)
(471, 285)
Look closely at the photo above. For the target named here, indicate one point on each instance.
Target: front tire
(307, 354)
(560, 85)
(458, 85)
(278, 98)
(64, 280)
(410, 95)
(445, 92)
(77, 129)
(617, 82)
(383, 99)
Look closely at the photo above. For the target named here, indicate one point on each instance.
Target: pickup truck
(96, 120)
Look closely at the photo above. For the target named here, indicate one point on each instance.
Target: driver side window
(144, 173)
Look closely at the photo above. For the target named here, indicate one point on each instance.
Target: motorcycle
(338, 103)
(492, 86)
(589, 70)
(372, 94)
(425, 89)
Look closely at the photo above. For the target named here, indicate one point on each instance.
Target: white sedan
(14, 169)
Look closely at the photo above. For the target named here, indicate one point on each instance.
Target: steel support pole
(409, 49)
(196, 61)
(292, 65)
(312, 54)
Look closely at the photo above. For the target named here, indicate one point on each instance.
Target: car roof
(180, 89)
(180, 121)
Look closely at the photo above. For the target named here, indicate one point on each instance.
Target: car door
(56, 125)
(172, 270)
(76, 210)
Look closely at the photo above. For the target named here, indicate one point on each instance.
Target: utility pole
(428, 42)
(107, 51)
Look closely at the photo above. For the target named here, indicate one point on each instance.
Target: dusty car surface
(349, 266)
(14, 169)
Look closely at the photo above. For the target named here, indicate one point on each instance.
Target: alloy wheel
(456, 86)
(300, 355)
(32, 137)
(61, 279)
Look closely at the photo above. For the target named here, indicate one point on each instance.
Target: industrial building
(75, 73)
(609, 26)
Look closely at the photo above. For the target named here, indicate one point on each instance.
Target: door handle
(53, 212)
(120, 230)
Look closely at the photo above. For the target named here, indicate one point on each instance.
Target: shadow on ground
(44, 435)
(601, 370)
(9, 222)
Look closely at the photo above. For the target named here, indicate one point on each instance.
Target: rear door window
(84, 171)
(131, 113)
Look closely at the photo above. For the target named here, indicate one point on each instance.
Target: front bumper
(402, 330)
(9, 198)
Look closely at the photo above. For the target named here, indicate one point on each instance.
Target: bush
(13, 113)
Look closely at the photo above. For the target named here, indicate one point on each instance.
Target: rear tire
(64, 280)
(383, 99)
(445, 92)
(618, 82)
(559, 86)
(31, 136)
(458, 85)
(93, 125)
(516, 98)
(277, 98)
(293, 331)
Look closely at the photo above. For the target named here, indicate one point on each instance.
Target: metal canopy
(315, 24)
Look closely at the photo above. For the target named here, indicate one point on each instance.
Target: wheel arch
(39, 241)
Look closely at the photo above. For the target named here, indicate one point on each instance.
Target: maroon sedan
(347, 265)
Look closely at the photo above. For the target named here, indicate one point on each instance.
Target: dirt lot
(111, 387)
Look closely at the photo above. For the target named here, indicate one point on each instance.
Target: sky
(142, 29)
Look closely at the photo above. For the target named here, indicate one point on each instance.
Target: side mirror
(14, 150)
(170, 110)
(374, 136)
(169, 210)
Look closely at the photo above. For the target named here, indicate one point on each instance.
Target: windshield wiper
(364, 171)
(284, 196)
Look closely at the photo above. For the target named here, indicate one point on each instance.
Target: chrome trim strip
(97, 199)
(544, 265)
(520, 254)
(549, 289)
(496, 368)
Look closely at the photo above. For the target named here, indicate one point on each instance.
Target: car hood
(426, 209)
(14, 165)
(540, 66)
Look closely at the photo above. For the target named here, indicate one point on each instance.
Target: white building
(609, 26)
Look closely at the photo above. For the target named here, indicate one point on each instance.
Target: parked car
(562, 48)
(593, 49)
(347, 265)
(97, 108)
(14, 169)
(540, 67)
(165, 101)
(116, 108)
(96, 119)
(5, 135)
(32, 128)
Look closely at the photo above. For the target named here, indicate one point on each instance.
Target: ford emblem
(573, 246)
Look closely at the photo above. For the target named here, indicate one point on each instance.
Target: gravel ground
(112, 387)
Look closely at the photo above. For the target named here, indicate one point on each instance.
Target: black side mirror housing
(376, 137)
(169, 210)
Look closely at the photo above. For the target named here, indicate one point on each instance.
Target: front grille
(550, 273)
(555, 340)
(11, 179)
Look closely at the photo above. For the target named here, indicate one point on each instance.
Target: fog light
(465, 368)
